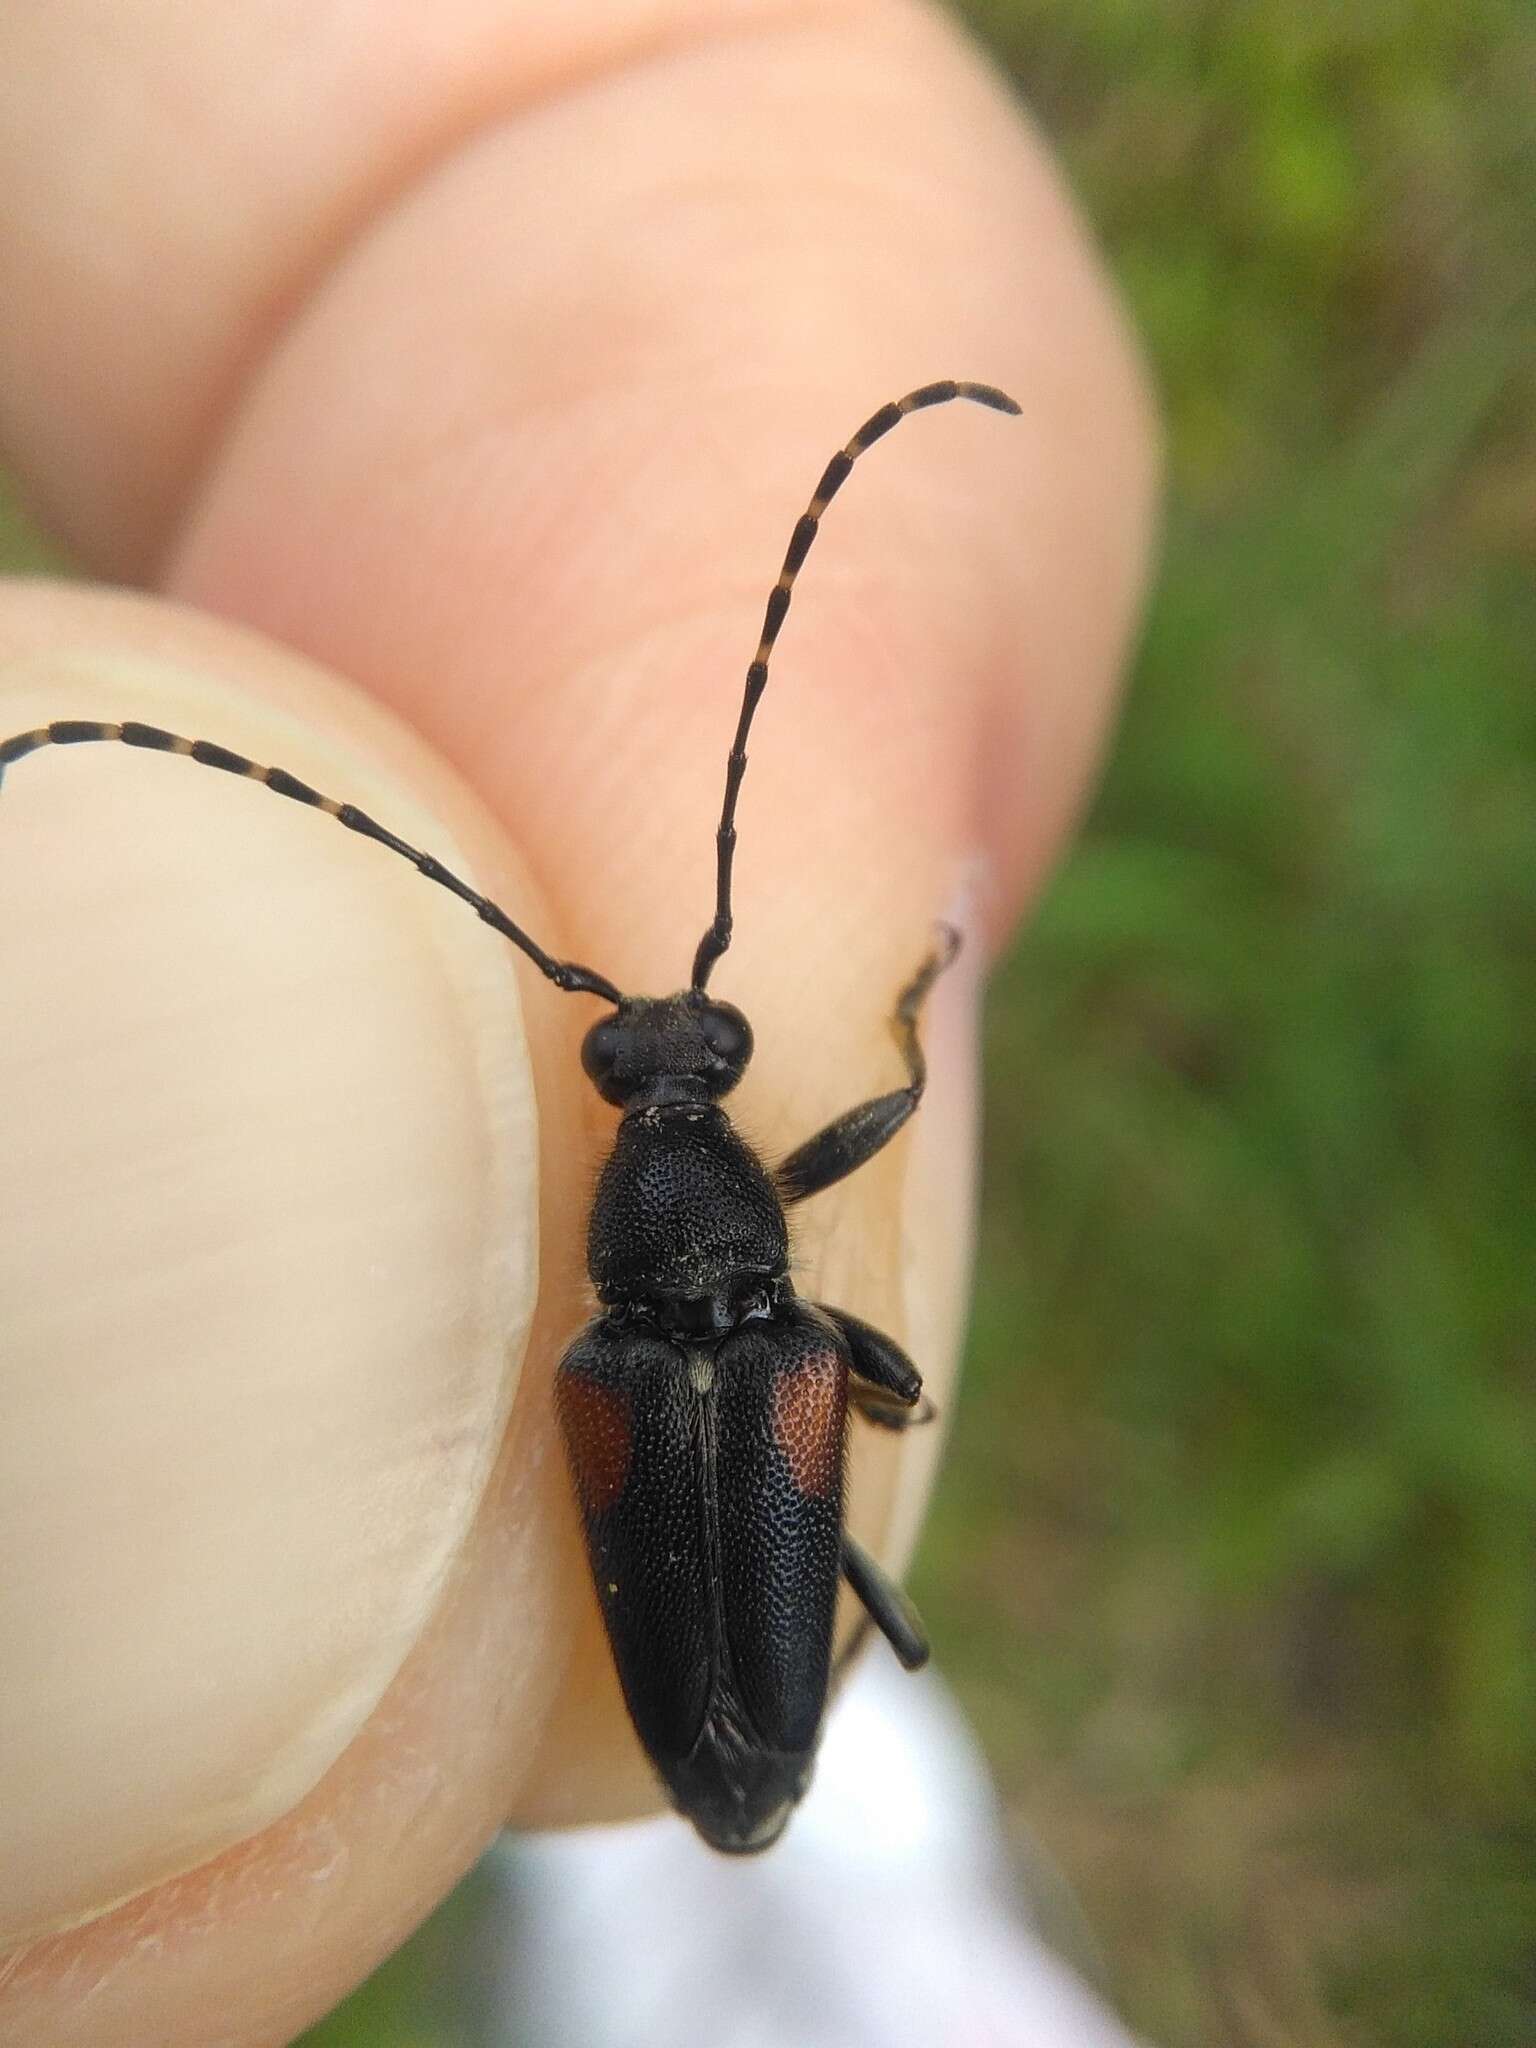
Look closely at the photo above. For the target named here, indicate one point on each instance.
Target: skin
(483, 359)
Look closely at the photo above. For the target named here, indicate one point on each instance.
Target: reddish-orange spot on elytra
(808, 1405)
(599, 1438)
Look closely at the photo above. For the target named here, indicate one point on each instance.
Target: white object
(887, 1917)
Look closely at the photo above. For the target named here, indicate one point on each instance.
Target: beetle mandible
(704, 1407)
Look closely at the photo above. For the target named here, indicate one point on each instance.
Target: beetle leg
(886, 1605)
(858, 1134)
(887, 1389)
(885, 1413)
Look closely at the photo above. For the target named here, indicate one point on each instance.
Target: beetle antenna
(718, 935)
(66, 732)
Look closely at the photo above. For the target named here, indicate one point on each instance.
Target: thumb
(269, 1254)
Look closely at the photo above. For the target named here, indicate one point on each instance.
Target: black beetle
(704, 1408)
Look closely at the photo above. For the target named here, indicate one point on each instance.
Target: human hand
(483, 357)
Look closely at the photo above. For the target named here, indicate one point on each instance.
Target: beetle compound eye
(727, 1034)
(600, 1048)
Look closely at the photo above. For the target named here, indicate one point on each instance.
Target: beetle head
(682, 1048)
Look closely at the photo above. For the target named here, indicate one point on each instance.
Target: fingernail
(267, 1267)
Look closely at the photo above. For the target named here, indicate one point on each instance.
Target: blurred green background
(1234, 1561)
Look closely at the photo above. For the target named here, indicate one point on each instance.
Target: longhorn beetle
(704, 1407)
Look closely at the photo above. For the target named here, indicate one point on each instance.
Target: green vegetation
(1235, 1558)
(1234, 1561)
